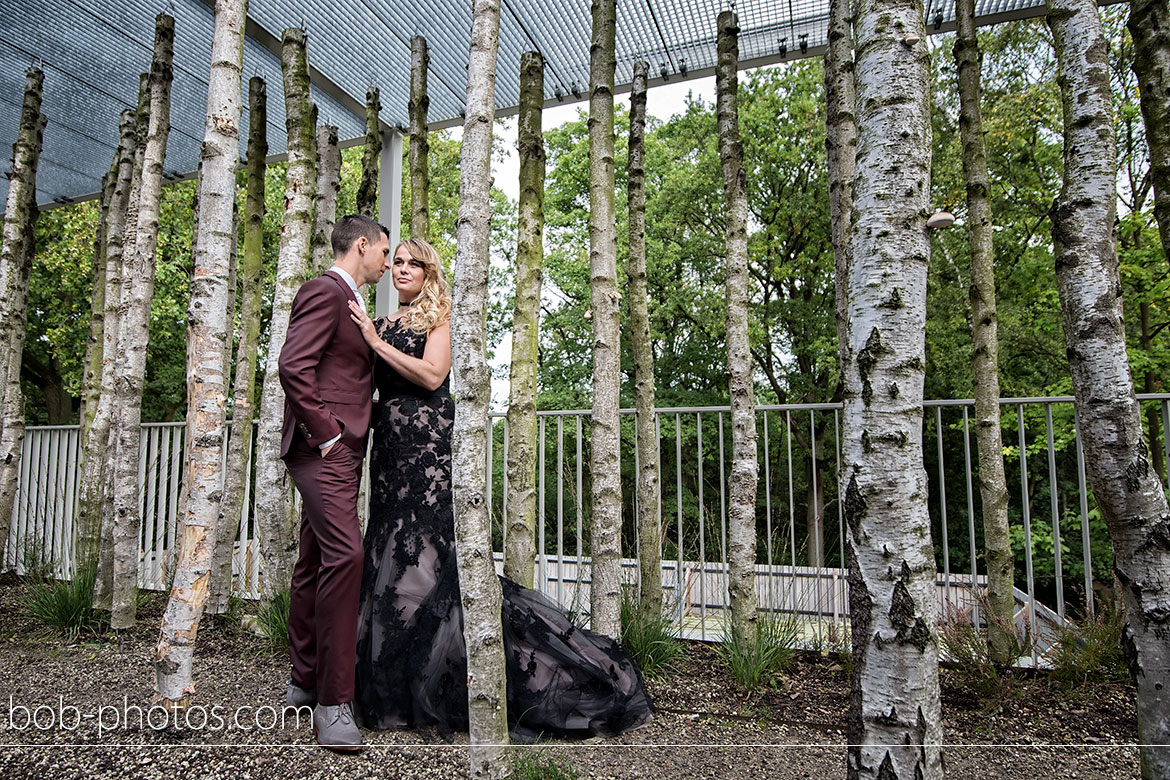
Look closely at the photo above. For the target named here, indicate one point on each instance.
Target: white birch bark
(94, 459)
(649, 533)
(325, 203)
(1001, 600)
(367, 194)
(91, 381)
(16, 255)
(275, 523)
(420, 214)
(894, 727)
(741, 504)
(520, 551)
(604, 464)
(134, 333)
(103, 588)
(1127, 489)
(208, 373)
(478, 583)
(238, 472)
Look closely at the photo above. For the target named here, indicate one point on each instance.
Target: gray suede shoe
(298, 697)
(335, 728)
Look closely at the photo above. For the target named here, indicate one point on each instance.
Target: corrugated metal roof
(92, 52)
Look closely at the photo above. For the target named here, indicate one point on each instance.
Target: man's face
(374, 258)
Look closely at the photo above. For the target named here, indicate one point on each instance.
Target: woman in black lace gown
(411, 656)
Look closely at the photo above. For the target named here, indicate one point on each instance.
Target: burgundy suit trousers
(323, 610)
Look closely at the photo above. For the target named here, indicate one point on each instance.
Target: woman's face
(408, 274)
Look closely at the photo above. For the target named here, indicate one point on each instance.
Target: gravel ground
(704, 727)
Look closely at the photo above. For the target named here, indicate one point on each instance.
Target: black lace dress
(411, 657)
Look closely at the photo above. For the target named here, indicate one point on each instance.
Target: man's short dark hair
(352, 227)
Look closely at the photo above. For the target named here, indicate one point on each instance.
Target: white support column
(389, 212)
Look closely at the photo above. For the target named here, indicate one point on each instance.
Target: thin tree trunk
(96, 441)
(1001, 602)
(16, 255)
(325, 204)
(91, 381)
(894, 726)
(649, 541)
(741, 504)
(367, 194)
(103, 588)
(478, 584)
(275, 524)
(134, 332)
(1149, 26)
(1127, 490)
(420, 214)
(208, 374)
(244, 392)
(519, 554)
(605, 590)
(841, 145)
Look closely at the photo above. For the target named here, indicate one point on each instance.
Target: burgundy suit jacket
(325, 370)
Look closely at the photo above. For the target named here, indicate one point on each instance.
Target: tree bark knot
(854, 507)
(867, 358)
(904, 616)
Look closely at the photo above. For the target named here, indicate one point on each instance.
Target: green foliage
(1089, 651)
(272, 620)
(66, 606)
(651, 641)
(965, 648)
(539, 764)
(755, 663)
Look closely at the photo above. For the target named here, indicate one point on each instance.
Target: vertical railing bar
(26, 503)
(942, 497)
(542, 571)
(150, 513)
(163, 460)
(970, 515)
(504, 497)
(46, 489)
(660, 534)
(678, 484)
(8, 554)
(1055, 512)
(637, 511)
(489, 446)
(768, 512)
(240, 569)
(59, 558)
(702, 534)
(1027, 525)
(560, 509)
(818, 522)
(840, 516)
(178, 445)
(580, 505)
(1086, 543)
(791, 513)
(726, 577)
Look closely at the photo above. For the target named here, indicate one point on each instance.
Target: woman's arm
(428, 371)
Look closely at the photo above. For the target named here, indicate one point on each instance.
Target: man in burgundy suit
(326, 373)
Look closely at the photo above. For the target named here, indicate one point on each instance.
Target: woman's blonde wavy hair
(432, 306)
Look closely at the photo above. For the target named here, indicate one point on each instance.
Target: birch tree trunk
(94, 460)
(1149, 26)
(1001, 601)
(325, 203)
(894, 727)
(519, 553)
(91, 381)
(367, 194)
(649, 538)
(841, 145)
(244, 391)
(605, 590)
(1127, 489)
(420, 177)
(103, 589)
(479, 586)
(16, 255)
(741, 503)
(134, 333)
(208, 373)
(275, 523)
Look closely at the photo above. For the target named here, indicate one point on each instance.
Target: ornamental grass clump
(753, 664)
(65, 606)
(272, 620)
(651, 641)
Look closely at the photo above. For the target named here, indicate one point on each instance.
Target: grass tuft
(273, 620)
(753, 664)
(652, 642)
(65, 606)
(538, 764)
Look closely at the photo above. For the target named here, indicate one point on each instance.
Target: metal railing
(801, 549)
